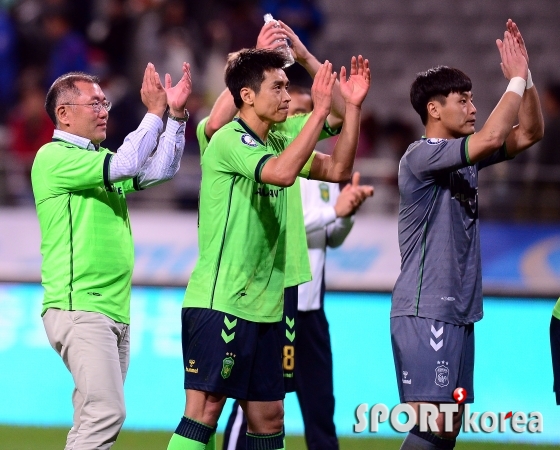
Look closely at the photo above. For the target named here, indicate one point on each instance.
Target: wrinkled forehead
(90, 91)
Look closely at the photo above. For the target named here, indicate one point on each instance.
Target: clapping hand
(355, 88)
(177, 95)
(152, 92)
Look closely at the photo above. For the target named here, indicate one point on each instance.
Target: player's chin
(282, 115)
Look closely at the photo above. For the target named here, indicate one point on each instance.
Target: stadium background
(520, 206)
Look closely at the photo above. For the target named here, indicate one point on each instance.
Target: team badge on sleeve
(435, 141)
(248, 140)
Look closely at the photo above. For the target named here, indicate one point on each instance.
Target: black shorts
(555, 351)
(432, 359)
(289, 337)
(228, 355)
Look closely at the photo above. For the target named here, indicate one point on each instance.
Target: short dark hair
(65, 87)
(246, 69)
(436, 83)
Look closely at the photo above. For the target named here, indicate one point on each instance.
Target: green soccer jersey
(242, 227)
(556, 310)
(298, 270)
(86, 243)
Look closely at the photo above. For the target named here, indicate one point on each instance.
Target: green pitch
(24, 438)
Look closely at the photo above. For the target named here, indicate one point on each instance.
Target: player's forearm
(338, 108)
(530, 116)
(165, 162)
(135, 150)
(339, 231)
(223, 111)
(341, 161)
(318, 218)
(496, 129)
(284, 169)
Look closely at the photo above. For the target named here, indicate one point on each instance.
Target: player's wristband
(529, 81)
(517, 85)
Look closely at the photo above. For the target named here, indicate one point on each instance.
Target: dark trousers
(314, 387)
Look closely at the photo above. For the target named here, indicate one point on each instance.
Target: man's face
(83, 120)
(300, 104)
(458, 115)
(271, 103)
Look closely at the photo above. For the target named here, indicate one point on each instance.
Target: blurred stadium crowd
(114, 39)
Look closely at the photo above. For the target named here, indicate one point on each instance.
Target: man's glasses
(95, 106)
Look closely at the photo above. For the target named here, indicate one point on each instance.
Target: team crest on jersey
(435, 141)
(324, 188)
(248, 140)
(442, 374)
(227, 365)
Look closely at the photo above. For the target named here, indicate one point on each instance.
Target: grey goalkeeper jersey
(438, 232)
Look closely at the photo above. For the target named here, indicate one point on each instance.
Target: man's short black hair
(436, 83)
(64, 90)
(246, 69)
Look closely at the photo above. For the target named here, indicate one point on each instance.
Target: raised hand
(177, 95)
(321, 91)
(352, 196)
(152, 92)
(511, 26)
(355, 88)
(514, 62)
(298, 49)
(270, 36)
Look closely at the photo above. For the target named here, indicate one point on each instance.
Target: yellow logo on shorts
(192, 362)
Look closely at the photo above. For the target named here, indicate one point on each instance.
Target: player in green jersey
(86, 241)
(233, 303)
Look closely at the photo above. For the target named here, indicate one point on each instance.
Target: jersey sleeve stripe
(260, 166)
(106, 171)
(330, 131)
(136, 184)
(465, 151)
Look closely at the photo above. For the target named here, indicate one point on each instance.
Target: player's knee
(267, 420)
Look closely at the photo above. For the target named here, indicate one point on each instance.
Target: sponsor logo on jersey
(435, 141)
(265, 192)
(248, 140)
(442, 374)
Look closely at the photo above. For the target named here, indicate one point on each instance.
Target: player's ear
(247, 95)
(62, 114)
(433, 108)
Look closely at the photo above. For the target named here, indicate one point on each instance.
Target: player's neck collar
(248, 130)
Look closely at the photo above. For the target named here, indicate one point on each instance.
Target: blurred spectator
(29, 127)
(550, 145)
(244, 20)
(111, 32)
(8, 63)
(369, 135)
(178, 41)
(303, 16)
(68, 50)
